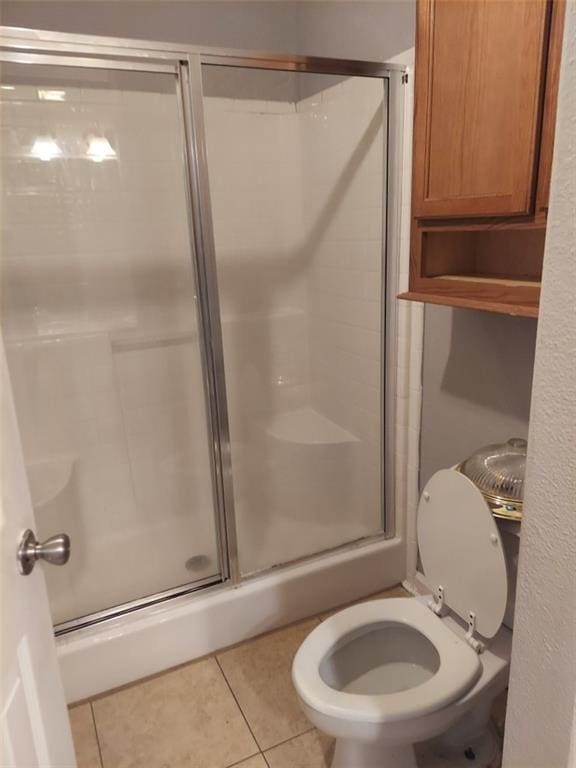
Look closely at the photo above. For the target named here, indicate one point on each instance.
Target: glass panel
(296, 166)
(100, 326)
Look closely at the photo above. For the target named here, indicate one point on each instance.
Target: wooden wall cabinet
(485, 110)
(550, 106)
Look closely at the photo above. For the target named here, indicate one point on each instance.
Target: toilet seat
(461, 550)
(458, 671)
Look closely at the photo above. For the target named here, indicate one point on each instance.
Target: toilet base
(357, 754)
(482, 751)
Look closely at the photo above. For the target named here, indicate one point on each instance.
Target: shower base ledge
(128, 648)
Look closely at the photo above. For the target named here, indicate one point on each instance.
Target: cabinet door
(479, 73)
(550, 105)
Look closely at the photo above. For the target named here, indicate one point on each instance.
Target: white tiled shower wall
(343, 154)
(363, 256)
(297, 193)
(255, 177)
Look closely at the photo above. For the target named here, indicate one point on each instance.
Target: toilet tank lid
(461, 549)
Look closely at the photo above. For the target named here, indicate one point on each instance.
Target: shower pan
(198, 279)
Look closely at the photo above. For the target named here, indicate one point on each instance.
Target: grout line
(237, 703)
(294, 736)
(247, 641)
(96, 734)
(244, 759)
(290, 738)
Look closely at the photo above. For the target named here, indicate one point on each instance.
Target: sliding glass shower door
(296, 164)
(194, 308)
(101, 328)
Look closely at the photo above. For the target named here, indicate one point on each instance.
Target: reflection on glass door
(100, 326)
(296, 168)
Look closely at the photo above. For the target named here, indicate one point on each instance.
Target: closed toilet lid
(461, 549)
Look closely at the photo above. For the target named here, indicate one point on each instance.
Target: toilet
(409, 682)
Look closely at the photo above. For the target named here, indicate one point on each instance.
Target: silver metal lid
(498, 470)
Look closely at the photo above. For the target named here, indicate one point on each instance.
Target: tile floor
(236, 708)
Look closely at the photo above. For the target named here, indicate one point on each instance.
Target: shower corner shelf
(131, 341)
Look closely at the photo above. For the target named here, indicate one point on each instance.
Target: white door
(34, 726)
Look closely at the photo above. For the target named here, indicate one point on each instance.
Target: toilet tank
(510, 535)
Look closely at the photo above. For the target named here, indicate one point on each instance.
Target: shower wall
(255, 183)
(99, 323)
(296, 174)
(343, 153)
(255, 178)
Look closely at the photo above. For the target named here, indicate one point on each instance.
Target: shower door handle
(55, 550)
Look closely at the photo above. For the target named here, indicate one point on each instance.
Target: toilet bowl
(386, 675)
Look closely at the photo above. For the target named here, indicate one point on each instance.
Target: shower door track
(28, 46)
(135, 605)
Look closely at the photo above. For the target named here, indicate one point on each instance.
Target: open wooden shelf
(512, 282)
(464, 301)
(493, 269)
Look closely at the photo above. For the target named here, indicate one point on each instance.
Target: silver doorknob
(55, 550)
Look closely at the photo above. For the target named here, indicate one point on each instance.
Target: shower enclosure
(197, 303)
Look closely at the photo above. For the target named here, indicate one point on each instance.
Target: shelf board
(516, 282)
(517, 309)
(493, 224)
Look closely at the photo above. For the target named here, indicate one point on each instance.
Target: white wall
(540, 724)
(375, 30)
(361, 29)
(477, 379)
(261, 25)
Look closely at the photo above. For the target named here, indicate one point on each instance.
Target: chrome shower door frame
(64, 49)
